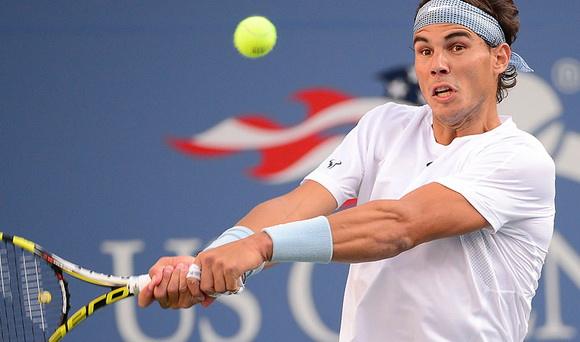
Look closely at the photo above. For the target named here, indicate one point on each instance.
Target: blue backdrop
(111, 128)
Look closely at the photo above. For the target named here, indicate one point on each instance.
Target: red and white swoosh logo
(288, 152)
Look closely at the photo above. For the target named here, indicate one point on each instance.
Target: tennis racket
(36, 298)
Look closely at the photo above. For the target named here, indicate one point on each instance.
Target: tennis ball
(44, 297)
(255, 36)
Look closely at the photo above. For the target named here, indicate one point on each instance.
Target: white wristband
(234, 234)
(302, 241)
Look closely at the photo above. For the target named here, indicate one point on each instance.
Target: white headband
(464, 14)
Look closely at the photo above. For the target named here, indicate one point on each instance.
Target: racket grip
(195, 272)
(137, 283)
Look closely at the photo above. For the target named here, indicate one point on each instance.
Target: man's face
(456, 72)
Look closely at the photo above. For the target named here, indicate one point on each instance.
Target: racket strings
(31, 282)
(32, 295)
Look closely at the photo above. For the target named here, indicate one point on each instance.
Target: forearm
(267, 214)
(307, 201)
(373, 231)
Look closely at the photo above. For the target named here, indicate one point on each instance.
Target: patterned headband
(464, 14)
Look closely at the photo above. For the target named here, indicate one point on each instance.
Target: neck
(446, 129)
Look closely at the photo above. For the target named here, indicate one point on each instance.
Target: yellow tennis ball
(44, 297)
(255, 36)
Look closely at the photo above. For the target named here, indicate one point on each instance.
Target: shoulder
(525, 148)
(514, 154)
(505, 154)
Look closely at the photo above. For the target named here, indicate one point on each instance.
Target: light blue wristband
(302, 241)
(234, 234)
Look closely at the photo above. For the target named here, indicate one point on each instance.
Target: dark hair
(506, 13)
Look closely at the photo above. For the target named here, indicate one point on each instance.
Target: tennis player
(455, 204)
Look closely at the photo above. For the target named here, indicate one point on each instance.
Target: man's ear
(502, 54)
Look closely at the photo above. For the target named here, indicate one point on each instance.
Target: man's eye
(458, 48)
(425, 52)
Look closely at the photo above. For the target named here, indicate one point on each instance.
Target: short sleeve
(342, 171)
(507, 185)
(364, 148)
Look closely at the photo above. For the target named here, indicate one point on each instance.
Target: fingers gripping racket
(195, 272)
(36, 298)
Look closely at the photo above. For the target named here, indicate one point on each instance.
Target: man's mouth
(442, 91)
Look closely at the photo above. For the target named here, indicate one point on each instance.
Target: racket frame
(121, 286)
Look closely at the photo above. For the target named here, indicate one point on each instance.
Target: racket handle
(137, 283)
(195, 272)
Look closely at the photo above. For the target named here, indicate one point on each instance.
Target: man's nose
(439, 64)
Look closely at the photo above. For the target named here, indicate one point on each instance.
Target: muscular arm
(373, 231)
(384, 228)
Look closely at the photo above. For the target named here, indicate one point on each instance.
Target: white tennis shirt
(474, 287)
